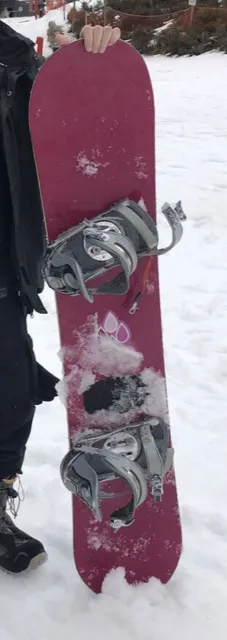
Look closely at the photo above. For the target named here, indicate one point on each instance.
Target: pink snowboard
(92, 128)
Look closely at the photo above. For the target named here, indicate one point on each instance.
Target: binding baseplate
(116, 238)
(139, 454)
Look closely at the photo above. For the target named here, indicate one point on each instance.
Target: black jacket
(19, 65)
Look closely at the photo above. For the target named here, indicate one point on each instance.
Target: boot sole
(34, 563)
(37, 561)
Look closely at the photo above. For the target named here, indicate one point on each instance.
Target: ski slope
(52, 603)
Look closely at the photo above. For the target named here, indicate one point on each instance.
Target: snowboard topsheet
(92, 129)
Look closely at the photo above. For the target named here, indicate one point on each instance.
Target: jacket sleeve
(39, 60)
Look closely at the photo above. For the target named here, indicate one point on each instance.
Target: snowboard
(92, 130)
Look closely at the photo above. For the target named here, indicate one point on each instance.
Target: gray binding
(174, 222)
(139, 454)
(59, 259)
(150, 238)
(114, 243)
(128, 470)
(119, 248)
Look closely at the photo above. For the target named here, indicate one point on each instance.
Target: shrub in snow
(208, 32)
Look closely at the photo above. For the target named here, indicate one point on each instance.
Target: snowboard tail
(94, 153)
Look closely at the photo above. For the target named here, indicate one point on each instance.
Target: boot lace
(14, 496)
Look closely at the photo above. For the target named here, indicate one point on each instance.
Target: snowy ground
(191, 133)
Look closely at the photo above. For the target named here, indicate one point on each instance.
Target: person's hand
(96, 39)
(61, 39)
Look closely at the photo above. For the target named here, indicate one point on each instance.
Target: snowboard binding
(138, 454)
(116, 238)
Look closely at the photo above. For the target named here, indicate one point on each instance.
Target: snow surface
(52, 603)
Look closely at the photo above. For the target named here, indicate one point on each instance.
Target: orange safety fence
(161, 15)
(56, 4)
(113, 16)
(152, 17)
(120, 17)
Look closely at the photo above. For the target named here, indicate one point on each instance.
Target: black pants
(23, 383)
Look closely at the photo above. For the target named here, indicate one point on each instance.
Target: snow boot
(18, 551)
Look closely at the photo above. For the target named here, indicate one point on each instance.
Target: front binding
(116, 238)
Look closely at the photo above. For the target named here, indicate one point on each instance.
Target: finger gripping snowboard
(92, 129)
